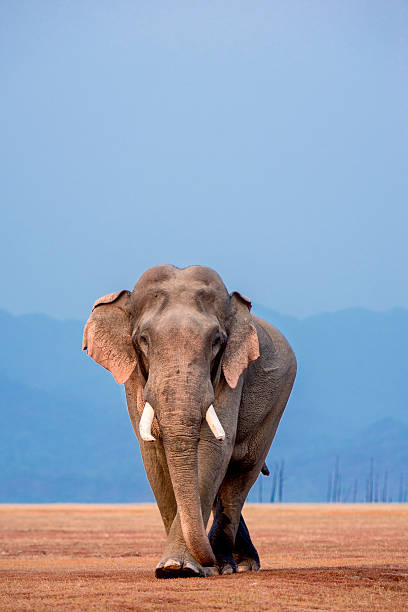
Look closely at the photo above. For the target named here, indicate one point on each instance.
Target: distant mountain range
(65, 434)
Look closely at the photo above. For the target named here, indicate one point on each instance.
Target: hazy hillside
(349, 401)
(65, 434)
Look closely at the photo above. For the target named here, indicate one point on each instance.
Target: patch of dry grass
(314, 557)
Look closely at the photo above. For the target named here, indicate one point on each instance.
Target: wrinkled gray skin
(181, 342)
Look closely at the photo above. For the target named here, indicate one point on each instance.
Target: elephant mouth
(147, 417)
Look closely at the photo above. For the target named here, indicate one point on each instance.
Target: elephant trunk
(180, 406)
(182, 463)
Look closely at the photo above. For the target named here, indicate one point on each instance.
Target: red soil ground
(314, 557)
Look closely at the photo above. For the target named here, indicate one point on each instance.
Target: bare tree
(274, 482)
(370, 483)
(385, 487)
(376, 487)
(335, 479)
(260, 489)
(401, 488)
(355, 489)
(330, 487)
(281, 479)
(346, 494)
(336, 484)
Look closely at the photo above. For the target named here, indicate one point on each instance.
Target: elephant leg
(155, 463)
(229, 536)
(242, 555)
(244, 552)
(154, 460)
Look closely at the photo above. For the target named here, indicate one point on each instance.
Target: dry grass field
(314, 557)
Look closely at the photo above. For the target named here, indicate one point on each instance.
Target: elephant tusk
(145, 424)
(214, 423)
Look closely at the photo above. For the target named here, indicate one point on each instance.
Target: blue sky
(265, 139)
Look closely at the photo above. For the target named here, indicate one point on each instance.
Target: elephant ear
(242, 345)
(107, 335)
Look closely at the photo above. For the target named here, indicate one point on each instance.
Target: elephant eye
(219, 339)
(143, 339)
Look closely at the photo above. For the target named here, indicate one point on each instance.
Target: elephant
(206, 384)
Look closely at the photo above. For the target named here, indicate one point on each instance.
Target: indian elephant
(206, 385)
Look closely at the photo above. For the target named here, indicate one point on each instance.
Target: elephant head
(180, 334)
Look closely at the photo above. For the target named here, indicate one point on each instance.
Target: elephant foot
(183, 566)
(245, 564)
(238, 557)
(230, 564)
(245, 553)
(226, 564)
